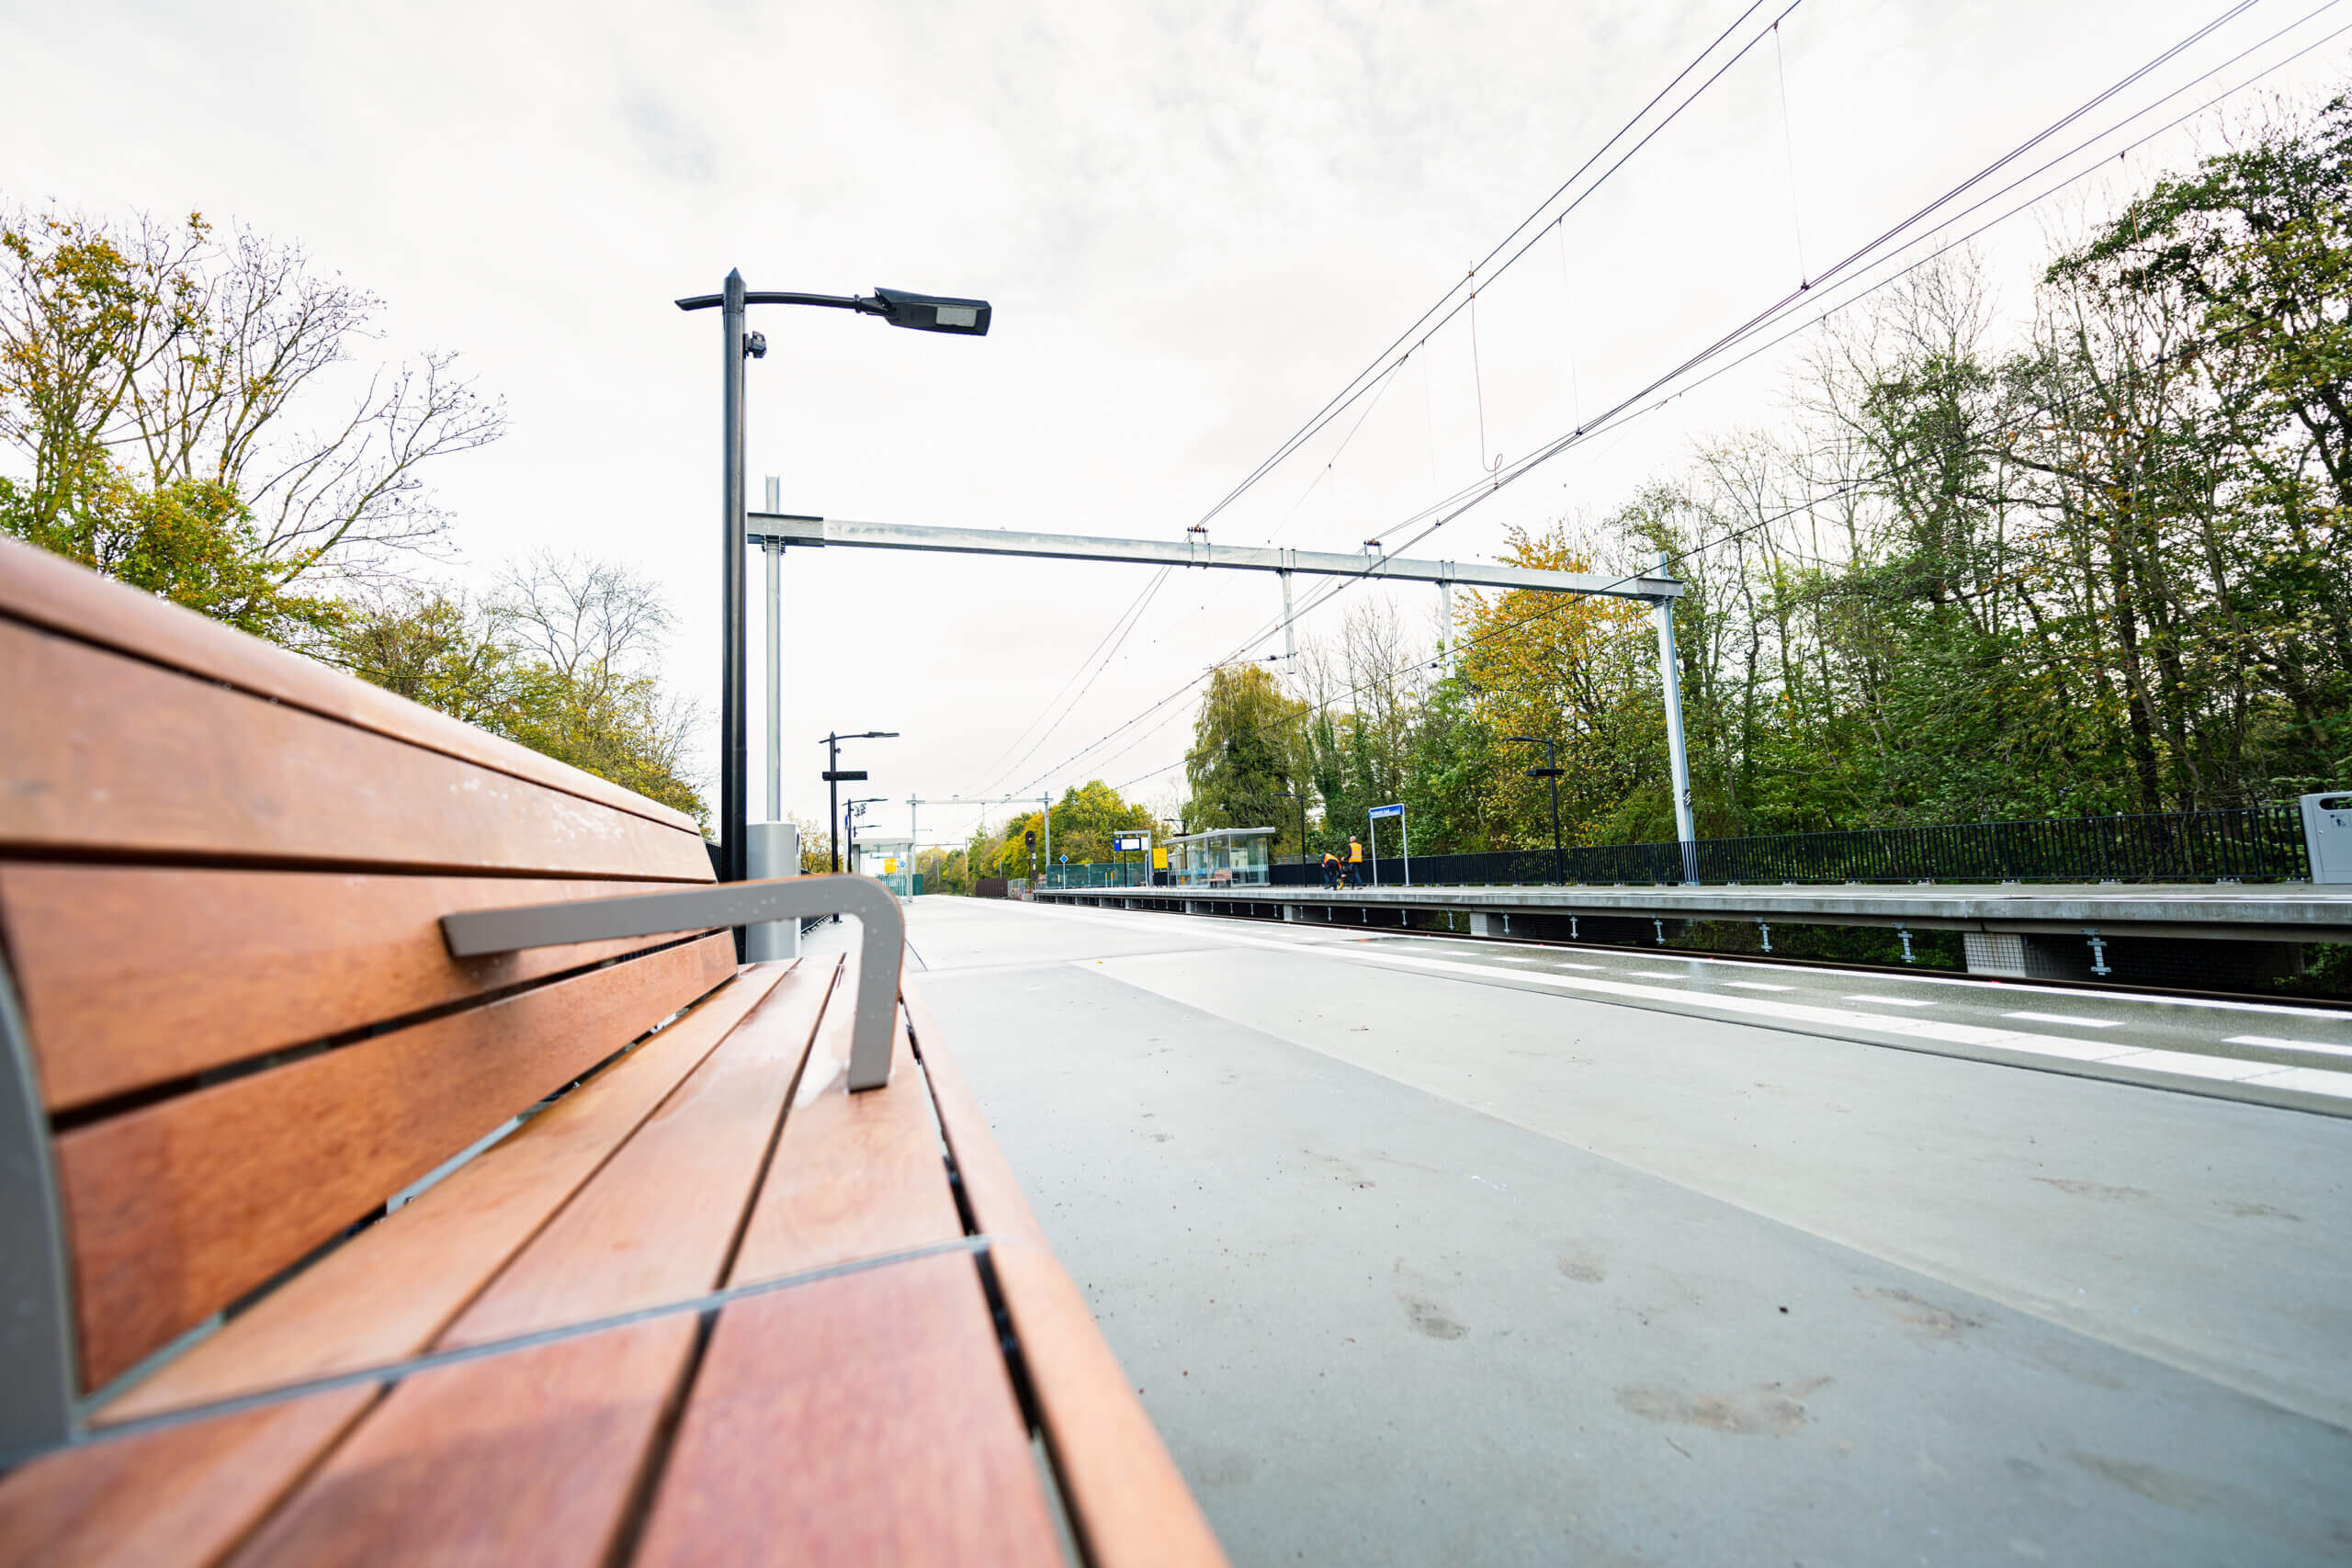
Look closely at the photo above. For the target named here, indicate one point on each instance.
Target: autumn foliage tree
(2091, 560)
(559, 658)
(190, 411)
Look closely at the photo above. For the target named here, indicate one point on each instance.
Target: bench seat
(579, 1254)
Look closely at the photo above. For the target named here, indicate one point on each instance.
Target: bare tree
(594, 622)
(177, 353)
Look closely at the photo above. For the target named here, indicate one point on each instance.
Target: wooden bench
(680, 1293)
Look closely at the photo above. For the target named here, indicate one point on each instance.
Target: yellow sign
(890, 867)
(1160, 859)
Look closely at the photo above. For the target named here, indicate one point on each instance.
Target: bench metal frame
(39, 1407)
(480, 932)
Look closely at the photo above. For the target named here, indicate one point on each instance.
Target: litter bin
(2327, 830)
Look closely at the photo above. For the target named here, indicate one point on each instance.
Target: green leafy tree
(1247, 763)
(1083, 820)
(2250, 255)
(190, 541)
(560, 658)
(180, 409)
(1453, 773)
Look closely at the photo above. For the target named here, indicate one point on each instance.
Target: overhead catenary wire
(1451, 506)
(1788, 147)
(1134, 607)
(1123, 628)
(1375, 376)
(1362, 381)
(1682, 556)
(1388, 380)
(1547, 603)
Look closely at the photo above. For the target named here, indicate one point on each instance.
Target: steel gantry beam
(785, 529)
(776, 530)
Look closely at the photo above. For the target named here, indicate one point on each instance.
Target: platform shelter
(1222, 857)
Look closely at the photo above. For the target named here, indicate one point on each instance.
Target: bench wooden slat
(530, 1456)
(1125, 1498)
(139, 764)
(530, 1460)
(862, 1419)
(855, 1175)
(135, 975)
(45, 591)
(224, 878)
(178, 1208)
(386, 1294)
(661, 1219)
(392, 1289)
(177, 1499)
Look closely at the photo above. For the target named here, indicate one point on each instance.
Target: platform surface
(1450, 1264)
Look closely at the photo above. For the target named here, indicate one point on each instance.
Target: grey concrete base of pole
(775, 851)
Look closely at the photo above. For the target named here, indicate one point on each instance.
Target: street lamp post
(921, 312)
(836, 776)
(850, 811)
(1550, 772)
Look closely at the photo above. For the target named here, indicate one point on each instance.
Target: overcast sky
(1195, 221)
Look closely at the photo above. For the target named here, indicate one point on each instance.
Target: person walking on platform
(1330, 869)
(1355, 861)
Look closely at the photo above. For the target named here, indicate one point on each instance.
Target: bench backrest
(238, 1028)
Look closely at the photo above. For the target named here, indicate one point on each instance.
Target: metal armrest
(479, 931)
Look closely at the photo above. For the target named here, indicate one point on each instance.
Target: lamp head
(933, 312)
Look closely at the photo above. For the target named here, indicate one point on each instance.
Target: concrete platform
(2297, 912)
(1417, 1266)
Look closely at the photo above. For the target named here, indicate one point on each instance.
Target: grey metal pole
(1405, 837)
(774, 551)
(1371, 831)
(772, 850)
(733, 747)
(1048, 804)
(1669, 675)
(1290, 647)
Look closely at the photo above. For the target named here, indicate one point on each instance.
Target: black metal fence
(2259, 843)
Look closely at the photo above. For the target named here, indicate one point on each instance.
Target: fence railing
(1125, 874)
(2259, 843)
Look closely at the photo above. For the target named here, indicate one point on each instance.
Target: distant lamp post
(836, 776)
(852, 811)
(921, 312)
(1550, 772)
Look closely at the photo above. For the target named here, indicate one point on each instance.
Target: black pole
(833, 798)
(1559, 861)
(734, 752)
